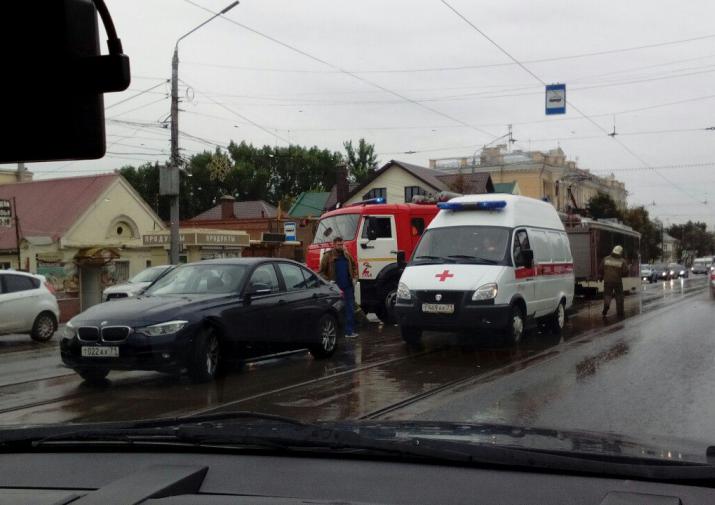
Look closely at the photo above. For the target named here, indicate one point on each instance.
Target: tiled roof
(473, 184)
(253, 209)
(50, 207)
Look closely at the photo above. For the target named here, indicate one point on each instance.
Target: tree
(360, 161)
(271, 173)
(694, 240)
(650, 244)
(602, 206)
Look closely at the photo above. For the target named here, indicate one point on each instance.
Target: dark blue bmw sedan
(200, 317)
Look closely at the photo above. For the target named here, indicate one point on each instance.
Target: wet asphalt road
(646, 372)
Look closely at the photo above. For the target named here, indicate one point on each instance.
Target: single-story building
(82, 233)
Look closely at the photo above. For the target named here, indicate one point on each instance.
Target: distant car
(648, 273)
(200, 315)
(701, 265)
(676, 270)
(27, 305)
(136, 284)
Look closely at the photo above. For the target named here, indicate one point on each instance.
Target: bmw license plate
(438, 308)
(100, 352)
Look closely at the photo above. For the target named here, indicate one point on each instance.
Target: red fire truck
(380, 236)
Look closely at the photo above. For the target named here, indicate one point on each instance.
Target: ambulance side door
(524, 272)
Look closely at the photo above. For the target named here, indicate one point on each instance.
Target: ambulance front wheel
(411, 335)
(514, 331)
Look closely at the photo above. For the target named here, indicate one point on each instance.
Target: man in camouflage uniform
(614, 268)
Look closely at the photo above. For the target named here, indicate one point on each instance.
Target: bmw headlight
(164, 328)
(486, 292)
(682, 272)
(403, 292)
(69, 330)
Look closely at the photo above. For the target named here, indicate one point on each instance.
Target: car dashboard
(168, 478)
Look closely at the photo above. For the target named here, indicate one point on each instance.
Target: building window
(4, 265)
(376, 193)
(411, 191)
(121, 271)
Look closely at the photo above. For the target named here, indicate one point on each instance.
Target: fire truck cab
(380, 237)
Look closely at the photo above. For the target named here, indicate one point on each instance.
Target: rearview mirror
(56, 110)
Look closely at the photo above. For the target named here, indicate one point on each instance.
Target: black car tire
(205, 358)
(411, 335)
(558, 318)
(93, 375)
(327, 335)
(386, 310)
(44, 327)
(514, 331)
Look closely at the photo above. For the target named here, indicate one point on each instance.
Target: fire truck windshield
(343, 225)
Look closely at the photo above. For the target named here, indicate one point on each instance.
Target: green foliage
(694, 240)
(639, 219)
(602, 206)
(361, 160)
(274, 174)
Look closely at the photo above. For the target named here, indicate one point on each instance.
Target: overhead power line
(349, 73)
(585, 116)
(135, 95)
(460, 67)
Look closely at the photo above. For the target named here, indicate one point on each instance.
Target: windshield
(200, 279)
(148, 275)
(477, 243)
(525, 193)
(342, 225)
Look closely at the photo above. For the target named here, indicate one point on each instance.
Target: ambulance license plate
(100, 352)
(438, 308)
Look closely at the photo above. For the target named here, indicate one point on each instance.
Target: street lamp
(169, 182)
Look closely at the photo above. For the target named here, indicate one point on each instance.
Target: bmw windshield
(210, 279)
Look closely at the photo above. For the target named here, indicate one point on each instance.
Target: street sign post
(5, 214)
(555, 99)
(289, 230)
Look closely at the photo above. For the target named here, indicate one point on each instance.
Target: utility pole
(20, 171)
(169, 181)
(17, 232)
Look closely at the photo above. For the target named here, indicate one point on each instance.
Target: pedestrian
(339, 266)
(614, 268)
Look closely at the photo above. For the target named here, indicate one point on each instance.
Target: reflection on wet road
(378, 376)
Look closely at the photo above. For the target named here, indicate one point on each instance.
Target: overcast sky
(423, 80)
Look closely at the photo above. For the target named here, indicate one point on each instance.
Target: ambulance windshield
(464, 243)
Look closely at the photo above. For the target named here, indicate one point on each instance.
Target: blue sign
(555, 99)
(289, 231)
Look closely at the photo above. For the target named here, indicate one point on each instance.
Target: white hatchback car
(27, 305)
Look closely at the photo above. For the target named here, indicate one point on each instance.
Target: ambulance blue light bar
(490, 205)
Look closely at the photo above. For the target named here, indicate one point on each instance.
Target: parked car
(201, 315)
(136, 284)
(676, 270)
(648, 273)
(27, 305)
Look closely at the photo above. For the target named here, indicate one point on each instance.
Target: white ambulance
(487, 262)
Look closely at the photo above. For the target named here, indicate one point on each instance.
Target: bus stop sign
(555, 99)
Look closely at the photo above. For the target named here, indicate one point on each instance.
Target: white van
(487, 262)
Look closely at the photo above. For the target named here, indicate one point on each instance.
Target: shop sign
(165, 239)
(223, 239)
